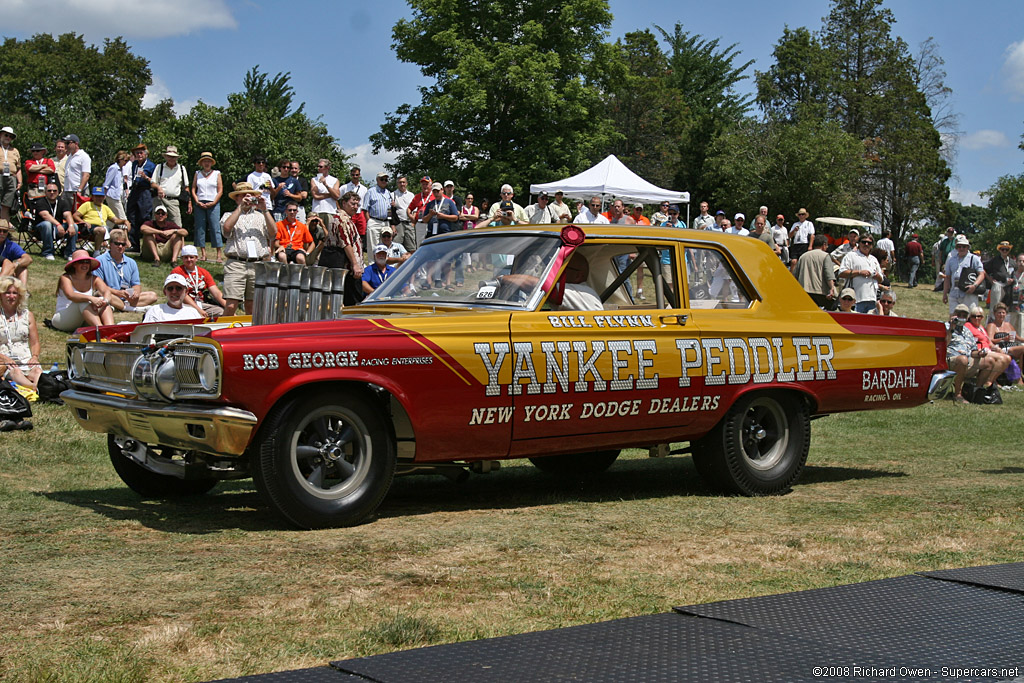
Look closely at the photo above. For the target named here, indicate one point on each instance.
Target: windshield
(465, 270)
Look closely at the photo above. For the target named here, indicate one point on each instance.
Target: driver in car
(577, 296)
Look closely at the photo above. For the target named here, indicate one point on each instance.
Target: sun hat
(189, 250)
(8, 130)
(79, 256)
(243, 188)
(208, 155)
(962, 241)
(171, 151)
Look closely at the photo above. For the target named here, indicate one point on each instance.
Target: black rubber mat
(662, 647)
(321, 674)
(1009, 577)
(910, 620)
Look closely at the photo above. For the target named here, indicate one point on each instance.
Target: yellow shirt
(96, 217)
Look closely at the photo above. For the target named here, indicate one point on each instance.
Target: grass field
(100, 585)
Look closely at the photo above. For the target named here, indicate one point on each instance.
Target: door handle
(677, 319)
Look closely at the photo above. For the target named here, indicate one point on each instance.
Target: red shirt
(417, 203)
(32, 179)
(198, 280)
(914, 248)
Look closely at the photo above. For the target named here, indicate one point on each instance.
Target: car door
(618, 375)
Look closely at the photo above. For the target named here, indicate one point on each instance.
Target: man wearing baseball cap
(38, 171)
(93, 218)
(376, 204)
(378, 271)
(162, 239)
(178, 306)
(200, 283)
(964, 272)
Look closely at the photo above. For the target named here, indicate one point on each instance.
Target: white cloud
(158, 91)
(967, 197)
(370, 163)
(1013, 69)
(985, 139)
(98, 19)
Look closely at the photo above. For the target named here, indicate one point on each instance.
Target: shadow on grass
(1005, 470)
(236, 505)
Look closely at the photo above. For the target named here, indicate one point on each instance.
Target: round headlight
(207, 372)
(164, 378)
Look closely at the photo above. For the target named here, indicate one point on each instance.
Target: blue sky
(342, 65)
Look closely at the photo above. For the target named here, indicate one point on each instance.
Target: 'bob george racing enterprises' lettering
(722, 361)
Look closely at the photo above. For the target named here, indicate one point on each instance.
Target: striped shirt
(377, 202)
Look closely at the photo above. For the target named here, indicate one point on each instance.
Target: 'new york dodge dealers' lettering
(731, 360)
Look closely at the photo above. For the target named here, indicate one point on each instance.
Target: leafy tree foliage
(516, 95)
(52, 87)
(811, 163)
(858, 75)
(1006, 204)
(644, 109)
(704, 76)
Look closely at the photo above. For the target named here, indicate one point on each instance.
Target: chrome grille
(109, 366)
(186, 372)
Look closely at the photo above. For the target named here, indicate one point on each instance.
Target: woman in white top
(19, 338)
(81, 296)
(207, 189)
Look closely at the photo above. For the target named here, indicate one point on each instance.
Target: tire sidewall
(748, 479)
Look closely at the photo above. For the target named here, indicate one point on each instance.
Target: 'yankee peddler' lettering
(558, 366)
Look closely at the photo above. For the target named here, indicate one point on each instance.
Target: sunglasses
(972, 317)
(848, 298)
(868, 242)
(174, 288)
(886, 302)
(120, 244)
(292, 211)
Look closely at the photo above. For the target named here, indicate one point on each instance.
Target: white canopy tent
(611, 178)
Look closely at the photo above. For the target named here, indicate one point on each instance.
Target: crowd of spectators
(371, 229)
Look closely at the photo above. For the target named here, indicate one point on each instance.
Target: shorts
(8, 191)
(239, 280)
(291, 253)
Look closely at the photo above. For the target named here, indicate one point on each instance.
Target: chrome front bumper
(190, 426)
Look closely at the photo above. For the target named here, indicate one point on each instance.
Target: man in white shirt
(866, 273)
(541, 212)
(325, 190)
(77, 169)
(170, 180)
(591, 214)
(176, 307)
(519, 214)
(886, 245)
(781, 235)
(800, 236)
(260, 179)
(704, 220)
(560, 208)
(403, 197)
(355, 184)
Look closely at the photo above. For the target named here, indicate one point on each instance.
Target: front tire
(570, 465)
(146, 483)
(759, 448)
(326, 461)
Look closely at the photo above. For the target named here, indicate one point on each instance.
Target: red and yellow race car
(519, 342)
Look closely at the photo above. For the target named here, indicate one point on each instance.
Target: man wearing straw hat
(170, 180)
(249, 232)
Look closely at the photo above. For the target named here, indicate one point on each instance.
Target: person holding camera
(249, 232)
(967, 358)
(964, 273)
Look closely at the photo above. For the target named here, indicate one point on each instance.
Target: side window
(711, 282)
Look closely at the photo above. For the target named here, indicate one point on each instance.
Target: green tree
(859, 75)
(704, 76)
(644, 109)
(811, 163)
(1006, 207)
(516, 92)
(52, 87)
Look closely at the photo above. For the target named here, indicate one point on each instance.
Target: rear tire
(759, 448)
(569, 465)
(326, 461)
(150, 484)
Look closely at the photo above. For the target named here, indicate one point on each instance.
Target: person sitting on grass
(13, 259)
(82, 295)
(179, 305)
(91, 220)
(1004, 335)
(19, 337)
(161, 239)
(121, 275)
(967, 359)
